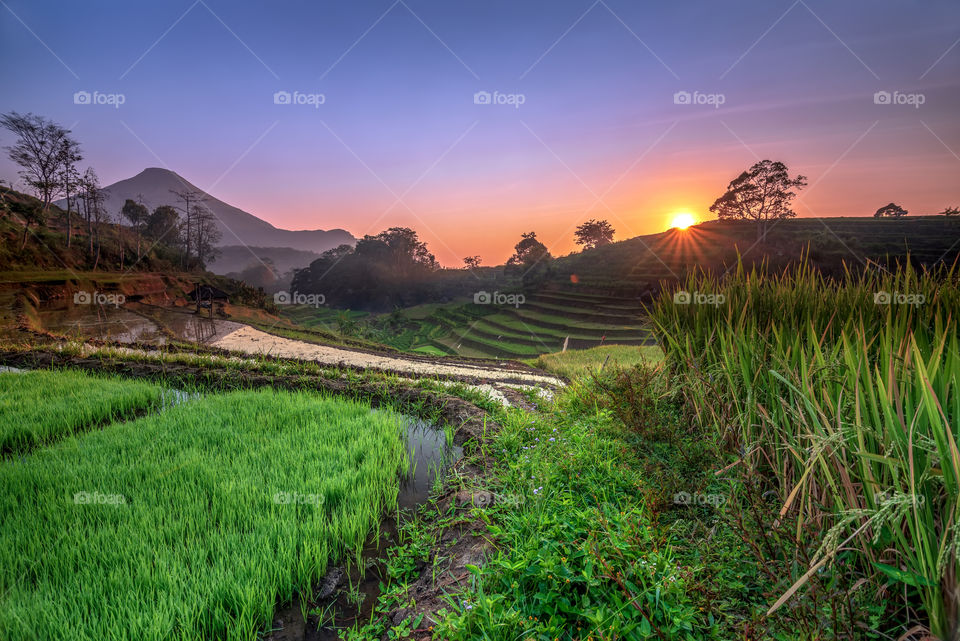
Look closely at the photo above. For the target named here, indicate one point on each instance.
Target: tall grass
(846, 405)
(193, 523)
(40, 407)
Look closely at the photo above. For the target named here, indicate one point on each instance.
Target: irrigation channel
(348, 593)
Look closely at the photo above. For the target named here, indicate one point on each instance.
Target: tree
(190, 199)
(891, 210)
(594, 233)
(206, 234)
(471, 262)
(89, 190)
(950, 211)
(69, 177)
(162, 226)
(40, 152)
(762, 193)
(529, 251)
(137, 215)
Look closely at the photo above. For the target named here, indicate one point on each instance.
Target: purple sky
(399, 139)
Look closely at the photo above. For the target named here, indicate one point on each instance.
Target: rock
(482, 499)
(400, 616)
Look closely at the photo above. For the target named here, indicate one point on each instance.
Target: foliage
(575, 363)
(593, 234)
(891, 210)
(762, 193)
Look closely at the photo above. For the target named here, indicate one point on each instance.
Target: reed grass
(843, 396)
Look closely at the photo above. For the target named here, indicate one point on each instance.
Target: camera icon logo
(881, 298)
(82, 298)
(682, 98)
(281, 298)
(482, 98)
(681, 298)
(682, 498)
(81, 98)
(482, 298)
(882, 98)
(281, 98)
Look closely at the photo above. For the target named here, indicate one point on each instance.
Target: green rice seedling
(40, 407)
(843, 397)
(192, 523)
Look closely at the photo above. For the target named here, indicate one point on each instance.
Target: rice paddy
(44, 406)
(193, 523)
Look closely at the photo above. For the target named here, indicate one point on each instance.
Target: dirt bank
(253, 341)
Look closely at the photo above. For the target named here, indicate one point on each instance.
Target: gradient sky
(399, 140)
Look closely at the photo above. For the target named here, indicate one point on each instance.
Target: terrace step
(548, 342)
(580, 314)
(495, 324)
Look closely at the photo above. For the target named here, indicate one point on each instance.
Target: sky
(475, 121)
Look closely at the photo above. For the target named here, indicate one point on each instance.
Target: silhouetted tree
(188, 198)
(206, 234)
(137, 215)
(593, 234)
(950, 211)
(762, 193)
(471, 262)
(69, 178)
(891, 210)
(162, 226)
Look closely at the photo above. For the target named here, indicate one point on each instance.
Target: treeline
(49, 159)
(396, 269)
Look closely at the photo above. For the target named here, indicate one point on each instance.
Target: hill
(637, 266)
(237, 226)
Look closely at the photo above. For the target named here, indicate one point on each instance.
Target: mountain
(237, 226)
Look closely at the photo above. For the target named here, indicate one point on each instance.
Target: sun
(683, 220)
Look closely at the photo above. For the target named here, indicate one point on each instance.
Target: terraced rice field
(41, 407)
(194, 522)
(541, 325)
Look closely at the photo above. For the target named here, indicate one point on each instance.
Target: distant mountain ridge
(237, 226)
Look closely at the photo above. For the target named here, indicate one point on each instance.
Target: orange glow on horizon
(683, 220)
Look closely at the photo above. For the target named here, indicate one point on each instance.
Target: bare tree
(189, 199)
(69, 178)
(207, 234)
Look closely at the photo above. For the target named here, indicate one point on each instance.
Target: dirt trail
(253, 341)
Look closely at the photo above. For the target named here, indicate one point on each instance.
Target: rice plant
(192, 523)
(40, 407)
(843, 396)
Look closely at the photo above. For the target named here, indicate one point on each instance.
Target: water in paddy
(351, 593)
(124, 325)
